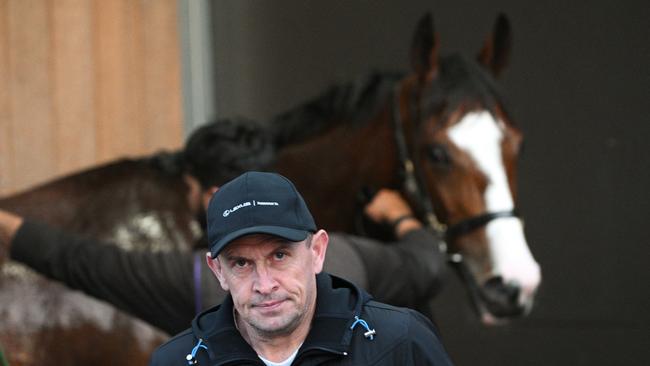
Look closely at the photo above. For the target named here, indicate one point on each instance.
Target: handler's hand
(9, 224)
(388, 206)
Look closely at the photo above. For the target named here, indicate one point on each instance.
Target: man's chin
(275, 325)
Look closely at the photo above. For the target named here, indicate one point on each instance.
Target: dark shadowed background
(578, 85)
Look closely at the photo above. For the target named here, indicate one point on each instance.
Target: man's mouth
(269, 305)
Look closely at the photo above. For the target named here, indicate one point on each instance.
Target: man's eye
(279, 255)
(240, 263)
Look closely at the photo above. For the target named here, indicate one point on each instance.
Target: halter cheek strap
(198, 298)
(411, 185)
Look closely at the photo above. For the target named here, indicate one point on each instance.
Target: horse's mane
(460, 81)
(347, 102)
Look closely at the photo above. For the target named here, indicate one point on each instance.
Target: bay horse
(441, 134)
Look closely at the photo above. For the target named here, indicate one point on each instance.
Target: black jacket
(401, 336)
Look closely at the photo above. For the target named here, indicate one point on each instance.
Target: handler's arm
(409, 270)
(155, 287)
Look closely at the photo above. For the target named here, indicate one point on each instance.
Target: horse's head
(464, 148)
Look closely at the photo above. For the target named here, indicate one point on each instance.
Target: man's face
(193, 193)
(272, 281)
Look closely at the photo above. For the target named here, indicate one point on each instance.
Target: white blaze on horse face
(480, 136)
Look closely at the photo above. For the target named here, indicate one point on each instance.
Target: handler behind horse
(167, 289)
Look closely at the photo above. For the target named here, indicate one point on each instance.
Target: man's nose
(265, 281)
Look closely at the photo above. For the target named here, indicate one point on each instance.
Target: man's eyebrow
(284, 245)
(231, 257)
(278, 240)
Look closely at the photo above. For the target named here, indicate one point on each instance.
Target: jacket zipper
(304, 353)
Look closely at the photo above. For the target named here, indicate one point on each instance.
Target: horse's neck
(331, 170)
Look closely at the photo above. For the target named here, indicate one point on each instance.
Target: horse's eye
(439, 155)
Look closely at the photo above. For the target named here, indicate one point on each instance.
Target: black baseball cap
(257, 203)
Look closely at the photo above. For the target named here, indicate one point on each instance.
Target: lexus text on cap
(257, 203)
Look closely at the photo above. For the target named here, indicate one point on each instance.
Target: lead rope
(198, 300)
(3, 360)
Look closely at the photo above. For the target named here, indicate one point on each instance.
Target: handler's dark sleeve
(155, 287)
(402, 273)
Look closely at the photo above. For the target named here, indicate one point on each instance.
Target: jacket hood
(338, 310)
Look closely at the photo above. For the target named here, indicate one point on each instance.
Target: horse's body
(45, 323)
(454, 132)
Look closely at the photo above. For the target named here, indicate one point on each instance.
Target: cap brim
(283, 232)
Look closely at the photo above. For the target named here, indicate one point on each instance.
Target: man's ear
(206, 196)
(217, 269)
(319, 242)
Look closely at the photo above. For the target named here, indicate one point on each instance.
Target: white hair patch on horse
(27, 307)
(479, 134)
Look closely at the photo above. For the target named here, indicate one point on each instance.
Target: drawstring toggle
(370, 333)
(191, 357)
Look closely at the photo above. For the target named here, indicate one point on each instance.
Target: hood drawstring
(191, 357)
(370, 333)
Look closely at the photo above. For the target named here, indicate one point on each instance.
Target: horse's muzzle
(501, 300)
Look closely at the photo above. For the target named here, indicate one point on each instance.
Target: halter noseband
(419, 194)
(465, 226)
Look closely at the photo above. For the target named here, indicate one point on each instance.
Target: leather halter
(418, 193)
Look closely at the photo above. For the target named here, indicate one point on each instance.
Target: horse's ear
(496, 50)
(424, 49)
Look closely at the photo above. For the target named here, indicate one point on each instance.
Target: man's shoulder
(174, 350)
(401, 325)
(401, 321)
(402, 313)
(401, 336)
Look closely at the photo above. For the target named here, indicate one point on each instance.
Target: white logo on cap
(237, 207)
(261, 203)
(248, 203)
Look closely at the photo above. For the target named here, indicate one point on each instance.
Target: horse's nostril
(501, 299)
(509, 291)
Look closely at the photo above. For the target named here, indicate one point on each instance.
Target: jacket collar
(338, 302)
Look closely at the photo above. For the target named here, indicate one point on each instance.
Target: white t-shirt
(286, 362)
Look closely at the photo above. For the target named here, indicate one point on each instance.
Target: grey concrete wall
(578, 85)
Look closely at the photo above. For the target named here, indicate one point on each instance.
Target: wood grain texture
(85, 82)
(6, 148)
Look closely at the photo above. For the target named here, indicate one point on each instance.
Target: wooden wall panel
(6, 148)
(160, 39)
(118, 97)
(73, 77)
(33, 131)
(84, 82)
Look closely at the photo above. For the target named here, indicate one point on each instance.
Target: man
(168, 289)
(267, 253)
